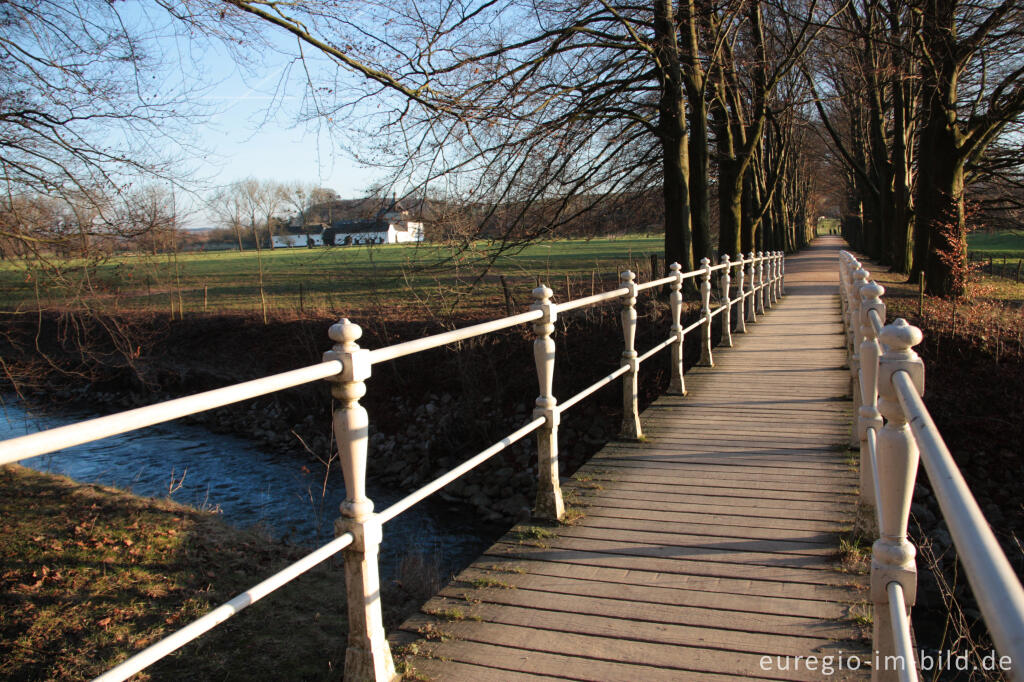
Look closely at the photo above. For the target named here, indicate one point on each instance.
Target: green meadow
(407, 277)
(1003, 244)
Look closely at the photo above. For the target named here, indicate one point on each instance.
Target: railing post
(850, 320)
(759, 284)
(868, 416)
(766, 282)
(860, 278)
(843, 263)
(751, 275)
(549, 492)
(741, 322)
(725, 284)
(892, 557)
(705, 311)
(630, 381)
(676, 384)
(368, 656)
(782, 274)
(773, 288)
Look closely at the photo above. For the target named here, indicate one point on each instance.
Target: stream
(248, 486)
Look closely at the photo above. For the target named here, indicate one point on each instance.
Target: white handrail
(872, 439)
(659, 282)
(718, 310)
(876, 321)
(594, 387)
(443, 339)
(438, 483)
(591, 300)
(693, 326)
(996, 588)
(993, 581)
(652, 352)
(901, 633)
(43, 442)
(155, 652)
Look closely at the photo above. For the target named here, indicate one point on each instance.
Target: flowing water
(246, 485)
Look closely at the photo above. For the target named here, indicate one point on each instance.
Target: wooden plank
(547, 665)
(607, 517)
(620, 624)
(522, 595)
(595, 581)
(613, 648)
(695, 561)
(699, 520)
(657, 534)
(845, 588)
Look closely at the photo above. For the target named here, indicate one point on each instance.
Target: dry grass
(91, 575)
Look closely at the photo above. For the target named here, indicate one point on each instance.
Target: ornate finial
(726, 259)
(739, 257)
(900, 336)
(871, 291)
(346, 333)
(542, 294)
(627, 276)
(861, 275)
(705, 262)
(675, 268)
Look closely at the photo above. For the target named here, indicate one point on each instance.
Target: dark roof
(356, 226)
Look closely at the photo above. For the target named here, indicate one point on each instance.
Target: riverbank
(92, 575)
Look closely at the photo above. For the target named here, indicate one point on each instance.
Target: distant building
(390, 226)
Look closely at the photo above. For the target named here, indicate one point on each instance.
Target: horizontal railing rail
(894, 431)
(761, 282)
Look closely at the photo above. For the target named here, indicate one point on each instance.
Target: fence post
(741, 323)
(751, 274)
(677, 384)
(892, 555)
(549, 493)
(368, 656)
(773, 289)
(759, 284)
(860, 278)
(705, 311)
(630, 381)
(868, 416)
(844, 260)
(782, 273)
(725, 285)
(766, 282)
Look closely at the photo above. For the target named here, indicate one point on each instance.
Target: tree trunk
(940, 211)
(698, 182)
(940, 186)
(673, 138)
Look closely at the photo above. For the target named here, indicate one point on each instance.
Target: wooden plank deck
(700, 551)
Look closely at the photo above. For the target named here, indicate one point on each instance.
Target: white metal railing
(347, 367)
(894, 431)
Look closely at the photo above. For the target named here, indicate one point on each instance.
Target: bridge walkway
(708, 552)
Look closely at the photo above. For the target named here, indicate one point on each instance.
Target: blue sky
(253, 127)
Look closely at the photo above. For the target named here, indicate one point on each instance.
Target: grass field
(1004, 244)
(410, 277)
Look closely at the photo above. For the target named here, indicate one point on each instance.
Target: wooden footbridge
(712, 544)
(703, 545)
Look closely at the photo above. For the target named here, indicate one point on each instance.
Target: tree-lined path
(699, 552)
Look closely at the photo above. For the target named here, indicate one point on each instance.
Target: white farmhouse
(391, 226)
(284, 241)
